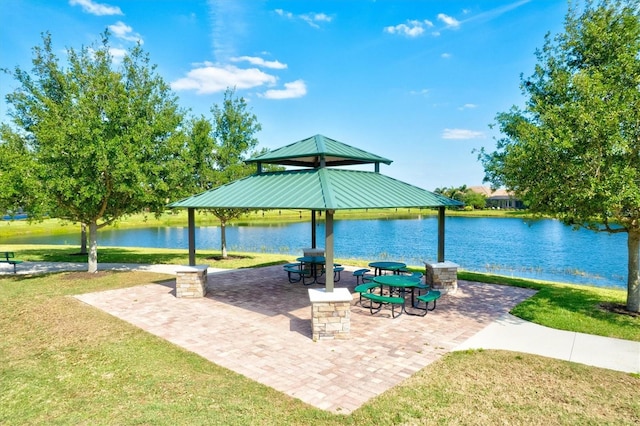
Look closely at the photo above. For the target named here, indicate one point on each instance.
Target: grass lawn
(63, 362)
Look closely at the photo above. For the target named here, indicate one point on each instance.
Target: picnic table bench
(9, 257)
(384, 300)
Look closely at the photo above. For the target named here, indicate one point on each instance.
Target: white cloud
(284, 14)
(124, 32)
(423, 92)
(494, 13)
(449, 21)
(313, 19)
(461, 134)
(260, 62)
(295, 89)
(118, 54)
(94, 8)
(413, 28)
(446, 55)
(469, 106)
(209, 78)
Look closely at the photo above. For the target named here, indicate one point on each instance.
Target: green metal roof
(309, 153)
(316, 189)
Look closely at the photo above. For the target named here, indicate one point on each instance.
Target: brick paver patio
(256, 323)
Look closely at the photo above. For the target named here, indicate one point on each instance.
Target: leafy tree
(474, 199)
(200, 154)
(20, 187)
(102, 137)
(464, 194)
(453, 192)
(234, 130)
(574, 150)
(234, 127)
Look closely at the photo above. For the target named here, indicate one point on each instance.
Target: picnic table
(314, 267)
(397, 292)
(380, 266)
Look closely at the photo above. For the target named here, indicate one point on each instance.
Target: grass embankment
(63, 362)
(260, 217)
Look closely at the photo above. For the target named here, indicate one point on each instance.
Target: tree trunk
(93, 248)
(83, 238)
(633, 280)
(223, 238)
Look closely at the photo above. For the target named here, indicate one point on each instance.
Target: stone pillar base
(330, 313)
(191, 281)
(442, 276)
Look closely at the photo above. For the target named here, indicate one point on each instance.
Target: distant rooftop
(499, 193)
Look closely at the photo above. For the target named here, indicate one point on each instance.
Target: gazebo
(315, 181)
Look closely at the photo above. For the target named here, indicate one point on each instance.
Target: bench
(336, 272)
(365, 288)
(295, 272)
(359, 274)
(431, 296)
(337, 268)
(9, 257)
(384, 300)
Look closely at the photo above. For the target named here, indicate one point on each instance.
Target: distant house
(498, 199)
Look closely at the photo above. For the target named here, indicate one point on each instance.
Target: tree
(17, 180)
(474, 199)
(464, 194)
(574, 150)
(234, 127)
(103, 137)
(200, 154)
(453, 192)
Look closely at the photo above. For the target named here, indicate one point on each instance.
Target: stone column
(191, 281)
(330, 313)
(442, 276)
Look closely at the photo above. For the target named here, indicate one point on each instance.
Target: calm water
(543, 249)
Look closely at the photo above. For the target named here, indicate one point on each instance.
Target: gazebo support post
(328, 250)
(441, 276)
(313, 229)
(330, 310)
(191, 281)
(441, 234)
(192, 236)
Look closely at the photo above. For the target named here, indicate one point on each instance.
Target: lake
(542, 249)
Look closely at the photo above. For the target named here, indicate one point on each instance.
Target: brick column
(191, 281)
(330, 313)
(442, 276)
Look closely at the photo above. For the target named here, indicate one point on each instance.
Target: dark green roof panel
(308, 152)
(317, 189)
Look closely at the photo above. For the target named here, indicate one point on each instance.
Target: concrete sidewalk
(28, 268)
(514, 334)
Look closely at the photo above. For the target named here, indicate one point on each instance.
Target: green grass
(569, 307)
(64, 362)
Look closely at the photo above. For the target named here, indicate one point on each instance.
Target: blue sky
(415, 81)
